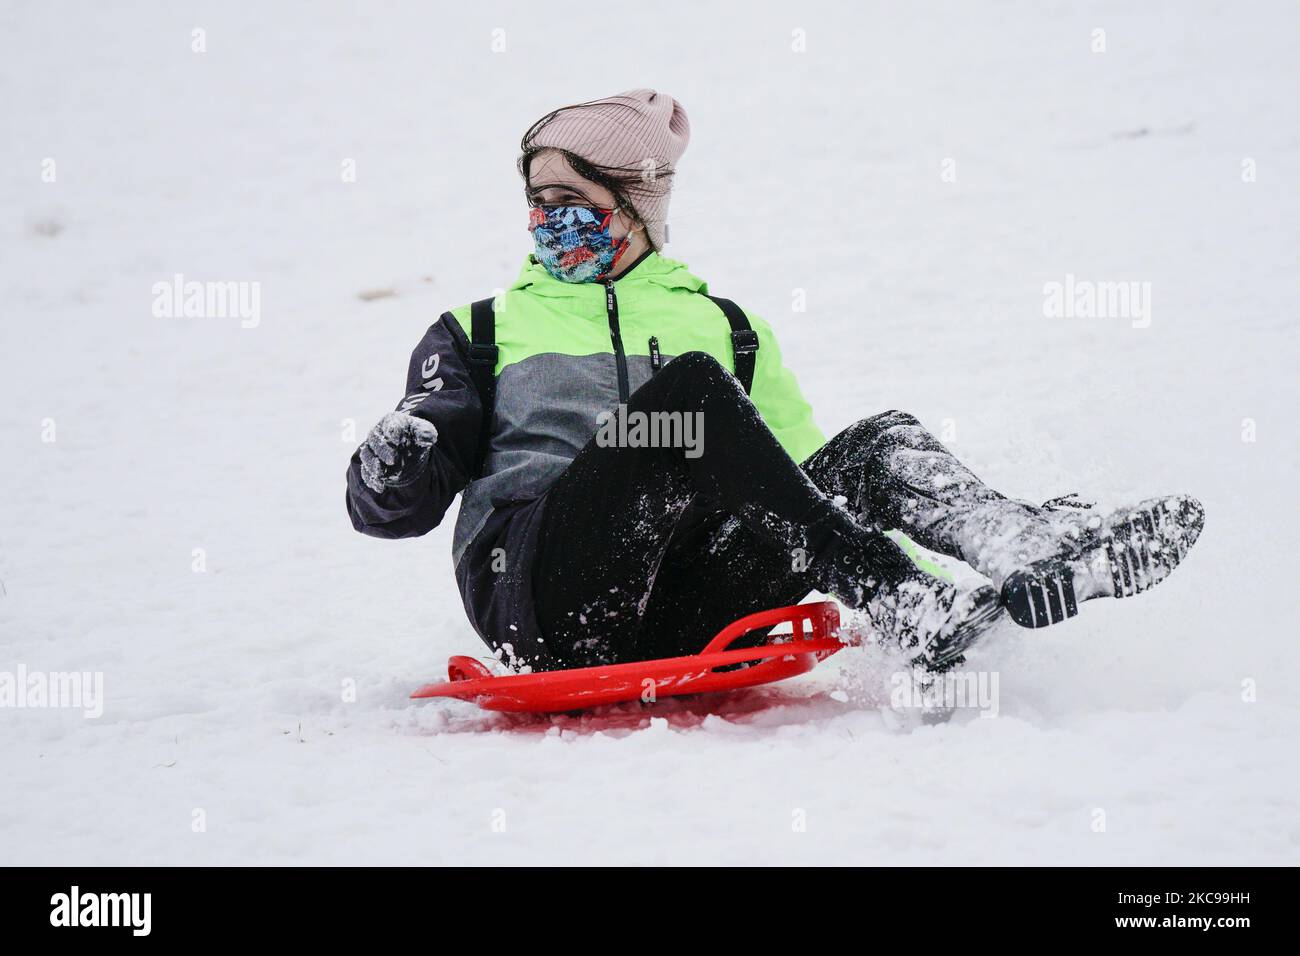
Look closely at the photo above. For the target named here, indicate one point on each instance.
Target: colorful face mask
(573, 242)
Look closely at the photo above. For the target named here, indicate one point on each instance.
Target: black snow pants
(649, 551)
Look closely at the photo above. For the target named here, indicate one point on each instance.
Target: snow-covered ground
(138, 448)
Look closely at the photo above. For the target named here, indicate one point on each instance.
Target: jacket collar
(654, 270)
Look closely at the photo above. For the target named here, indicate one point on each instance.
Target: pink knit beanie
(637, 130)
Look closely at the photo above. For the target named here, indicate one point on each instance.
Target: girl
(580, 544)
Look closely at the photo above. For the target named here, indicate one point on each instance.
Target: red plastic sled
(812, 639)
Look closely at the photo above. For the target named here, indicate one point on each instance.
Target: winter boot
(1120, 554)
(925, 616)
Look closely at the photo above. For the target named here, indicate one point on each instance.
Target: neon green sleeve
(779, 399)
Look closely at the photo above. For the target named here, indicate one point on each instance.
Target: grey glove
(396, 450)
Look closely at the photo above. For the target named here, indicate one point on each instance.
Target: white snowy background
(817, 171)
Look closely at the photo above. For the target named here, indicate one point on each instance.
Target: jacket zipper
(616, 337)
(656, 362)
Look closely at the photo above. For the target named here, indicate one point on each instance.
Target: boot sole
(1141, 548)
(949, 652)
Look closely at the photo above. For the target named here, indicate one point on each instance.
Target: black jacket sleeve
(439, 389)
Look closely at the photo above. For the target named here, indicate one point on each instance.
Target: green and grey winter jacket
(566, 353)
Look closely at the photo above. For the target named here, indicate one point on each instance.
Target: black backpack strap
(483, 366)
(744, 341)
